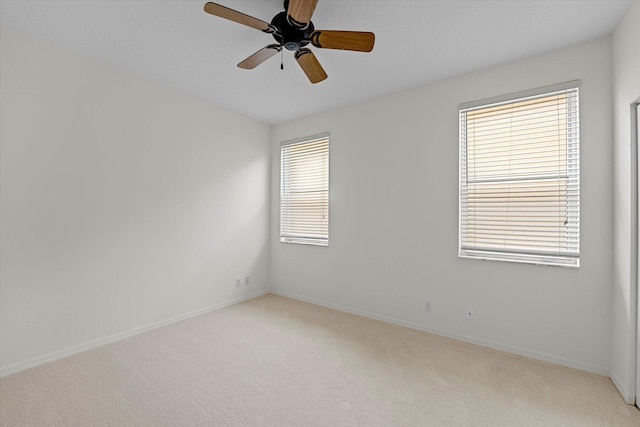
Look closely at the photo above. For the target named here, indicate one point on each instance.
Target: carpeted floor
(274, 361)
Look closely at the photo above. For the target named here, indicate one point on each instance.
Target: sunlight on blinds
(304, 192)
(519, 171)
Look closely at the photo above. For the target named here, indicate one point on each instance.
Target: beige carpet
(273, 361)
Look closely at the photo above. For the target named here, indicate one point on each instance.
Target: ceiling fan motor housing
(292, 38)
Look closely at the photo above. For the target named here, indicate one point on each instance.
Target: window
(304, 191)
(520, 177)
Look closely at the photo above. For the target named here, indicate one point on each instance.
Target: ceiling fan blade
(239, 17)
(359, 41)
(260, 56)
(310, 65)
(299, 12)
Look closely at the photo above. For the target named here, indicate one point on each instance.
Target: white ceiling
(176, 43)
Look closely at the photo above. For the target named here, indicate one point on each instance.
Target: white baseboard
(545, 357)
(16, 367)
(50, 357)
(622, 388)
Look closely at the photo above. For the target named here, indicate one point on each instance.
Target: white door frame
(635, 260)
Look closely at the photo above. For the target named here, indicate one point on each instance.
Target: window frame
(568, 259)
(286, 235)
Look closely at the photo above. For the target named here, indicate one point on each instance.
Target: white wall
(626, 89)
(124, 204)
(394, 220)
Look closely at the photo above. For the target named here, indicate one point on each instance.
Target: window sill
(547, 260)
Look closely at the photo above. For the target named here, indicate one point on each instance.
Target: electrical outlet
(470, 313)
(246, 281)
(237, 283)
(427, 306)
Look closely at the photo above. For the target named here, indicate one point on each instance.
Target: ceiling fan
(293, 30)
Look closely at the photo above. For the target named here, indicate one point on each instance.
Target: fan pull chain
(281, 59)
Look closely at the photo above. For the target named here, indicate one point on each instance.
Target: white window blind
(304, 191)
(520, 178)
